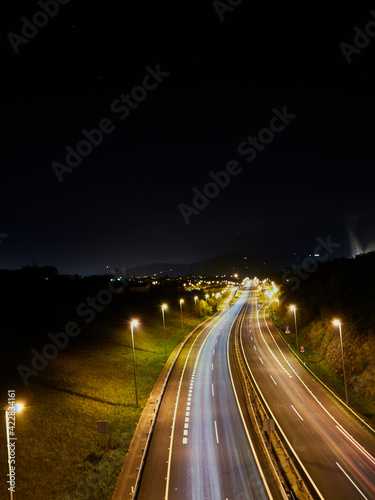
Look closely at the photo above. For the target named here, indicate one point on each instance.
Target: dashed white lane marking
(213, 389)
(297, 412)
(261, 360)
(273, 380)
(217, 437)
(255, 347)
(188, 406)
(285, 370)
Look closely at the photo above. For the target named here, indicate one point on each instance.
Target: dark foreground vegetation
(66, 350)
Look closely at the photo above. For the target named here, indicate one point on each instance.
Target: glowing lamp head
(292, 308)
(134, 322)
(16, 407)
(164, 306)
(336, 322)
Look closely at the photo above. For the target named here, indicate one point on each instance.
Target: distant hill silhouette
(243, 263)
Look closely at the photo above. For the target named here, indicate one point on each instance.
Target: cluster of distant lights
(272, 292)
(191, 282)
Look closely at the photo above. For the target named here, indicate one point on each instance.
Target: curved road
(210, 452)
(336, 452)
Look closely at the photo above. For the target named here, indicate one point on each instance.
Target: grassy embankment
(323, 370)
(57, 452)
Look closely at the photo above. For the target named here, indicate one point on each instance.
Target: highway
(334, 450)
(209, 453)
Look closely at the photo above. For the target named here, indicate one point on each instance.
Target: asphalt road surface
(203, 450)
(336, 452)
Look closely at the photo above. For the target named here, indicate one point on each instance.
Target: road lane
(210, 456)
(317, 427)
(154, 474)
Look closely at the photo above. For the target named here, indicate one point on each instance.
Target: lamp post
(195, 304)
(182, 320)
(337, 323)
(12, 409)
(132, 324)
(163, 308)
(293, 308)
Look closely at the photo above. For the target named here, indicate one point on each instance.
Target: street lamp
(293, 308)
(12, 409)
(195, 303)
(182, 321)
(132, 324)
(163, 308)
(337, 323)
(207, 296)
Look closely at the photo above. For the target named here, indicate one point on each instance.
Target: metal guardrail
(285, 475)
(158, 403)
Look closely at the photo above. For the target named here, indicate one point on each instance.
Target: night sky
(216, 77)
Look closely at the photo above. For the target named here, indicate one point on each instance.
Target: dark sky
(222, 81)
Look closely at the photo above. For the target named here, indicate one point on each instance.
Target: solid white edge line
(306, 387)
(361, 448)
(324, 385)
(355, 486)
(277, 423)
(245, 427)
(178, 394)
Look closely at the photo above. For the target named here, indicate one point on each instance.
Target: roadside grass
(326, 374)
(57, 452)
